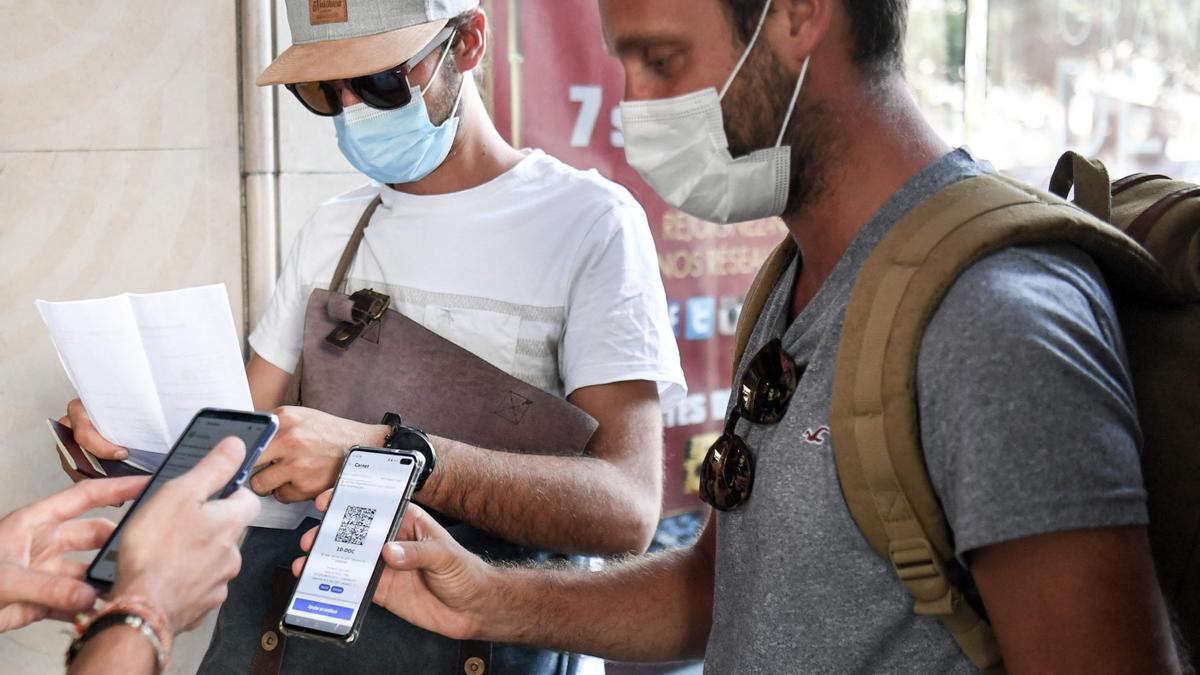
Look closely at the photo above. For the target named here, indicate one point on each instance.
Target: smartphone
(206, 429)
(339, 578)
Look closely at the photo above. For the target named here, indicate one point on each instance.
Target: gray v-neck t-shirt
(1028, 426)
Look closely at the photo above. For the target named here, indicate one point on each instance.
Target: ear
(471, 42)
(797, 27)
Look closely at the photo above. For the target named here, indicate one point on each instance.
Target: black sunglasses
(727, 474)
(385, 90)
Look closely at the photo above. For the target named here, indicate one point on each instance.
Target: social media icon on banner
(673, 312)
(701, 318)
(727, 316)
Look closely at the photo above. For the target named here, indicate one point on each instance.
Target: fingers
(70, 569)
(85, 535)
(322, 500)
(278, 448)
(298, 565)
(60, 615)
(271, 454)
(88, 436)
(306, 541)
(433, 556)
(289, 493)
(395, 557)
(50, 591)
(429, 547)
(87, 495)
(269, 479)
(216, 469)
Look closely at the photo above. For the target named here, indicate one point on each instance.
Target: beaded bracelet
(135, 612)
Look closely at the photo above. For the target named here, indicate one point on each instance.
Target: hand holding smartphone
(206, 429)
(343, 567)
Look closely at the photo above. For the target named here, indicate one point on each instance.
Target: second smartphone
(206, 429)
(339, 578)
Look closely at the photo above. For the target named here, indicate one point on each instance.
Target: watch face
(412, 439)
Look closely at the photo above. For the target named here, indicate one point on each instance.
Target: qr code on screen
(355, 524)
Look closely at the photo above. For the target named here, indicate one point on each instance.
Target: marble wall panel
(118, 74)
(119, 171)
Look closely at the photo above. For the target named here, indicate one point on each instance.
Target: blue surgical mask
(397, 146)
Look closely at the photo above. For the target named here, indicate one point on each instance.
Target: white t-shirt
(547, 272)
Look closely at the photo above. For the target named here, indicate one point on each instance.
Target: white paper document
(145, 363)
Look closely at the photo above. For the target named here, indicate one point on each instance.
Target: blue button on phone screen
(322, 609)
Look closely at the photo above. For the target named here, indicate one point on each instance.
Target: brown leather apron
(347, 369)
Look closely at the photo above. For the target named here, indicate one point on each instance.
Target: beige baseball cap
(334, 39)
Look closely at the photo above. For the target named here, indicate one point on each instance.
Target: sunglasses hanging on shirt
(770, 379)
(385, 90)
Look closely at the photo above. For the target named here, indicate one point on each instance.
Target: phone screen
(206, 430)
(341, 565)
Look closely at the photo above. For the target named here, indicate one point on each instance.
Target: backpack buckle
(368, 308)
(923, 574)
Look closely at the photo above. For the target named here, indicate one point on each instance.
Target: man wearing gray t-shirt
(1027, 418)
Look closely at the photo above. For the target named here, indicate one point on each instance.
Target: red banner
(556, 87)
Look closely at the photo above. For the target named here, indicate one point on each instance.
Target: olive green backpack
(1144, 232)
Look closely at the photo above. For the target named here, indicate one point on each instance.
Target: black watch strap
(392, 420)
(399, 439)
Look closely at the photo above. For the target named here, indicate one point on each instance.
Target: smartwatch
(410, 438)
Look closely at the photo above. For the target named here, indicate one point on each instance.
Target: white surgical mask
(679, 147)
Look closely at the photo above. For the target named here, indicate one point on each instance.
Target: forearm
(566, 504)
(119, 649)
(269, 384)
(655, 608)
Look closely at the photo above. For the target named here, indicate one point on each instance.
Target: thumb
(236, 511)
(18, 584)
(214, 471)
(432, 556)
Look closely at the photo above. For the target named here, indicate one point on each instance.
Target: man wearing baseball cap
(547, 272)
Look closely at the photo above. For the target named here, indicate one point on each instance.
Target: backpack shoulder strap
(876, 439)
(760, 289)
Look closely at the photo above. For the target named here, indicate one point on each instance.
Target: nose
(639, 89)
(347, 96)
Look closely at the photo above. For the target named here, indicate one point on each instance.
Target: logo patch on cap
(327, 11)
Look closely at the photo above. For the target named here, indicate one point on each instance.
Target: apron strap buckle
(356, 313)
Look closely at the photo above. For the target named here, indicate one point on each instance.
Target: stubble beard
(441, 102)
(754, 110)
